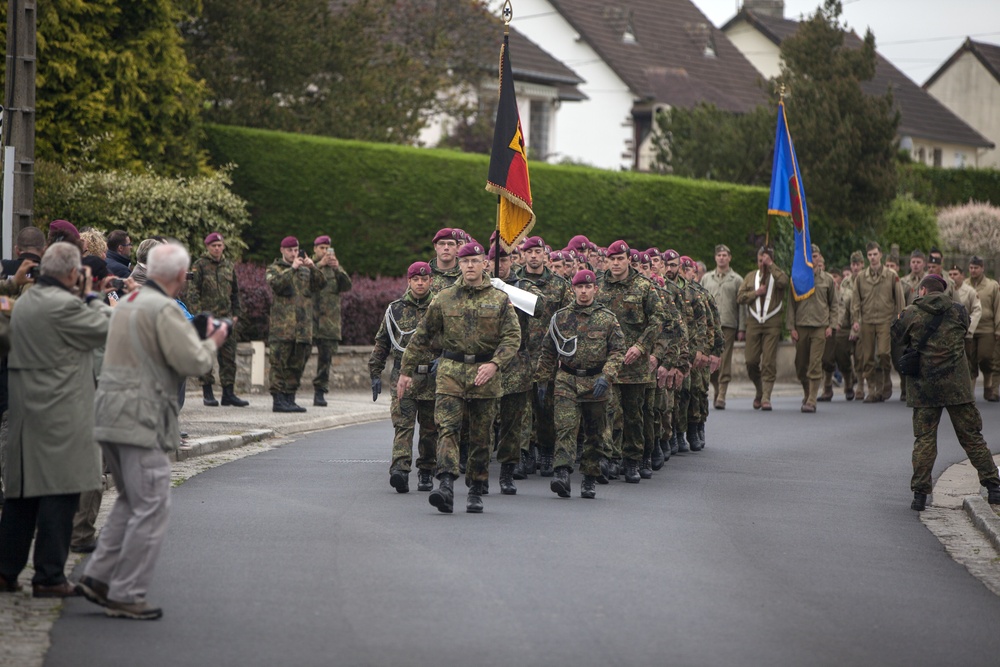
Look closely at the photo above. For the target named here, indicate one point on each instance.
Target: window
(937, 157)
(959, 160)
(540, 119)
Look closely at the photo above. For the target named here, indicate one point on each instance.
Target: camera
(302, 253)
(190, 276)
(118, 284)
(201, 321)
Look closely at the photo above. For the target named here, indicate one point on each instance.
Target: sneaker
(137, 611)
(94, 590)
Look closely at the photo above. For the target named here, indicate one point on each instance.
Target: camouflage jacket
(402, 317)
(556, 293)
(517, 375)
(326, 303)
(671, 348)
(944, 370)
(292, 305)
(468, 320)
(715, 341)
(697, 329)
(442, 278)
(213, 288)
(599, 342)
(639, 310)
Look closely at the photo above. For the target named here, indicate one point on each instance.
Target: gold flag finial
(507, 13)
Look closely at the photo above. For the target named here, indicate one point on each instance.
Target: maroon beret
(493, 252)
(533, 242)
(289, 242)
(670, 255)
(578, 242)
(320, 240)
(446, 234)
(633, 255)
(617, 248)
(644, 258)
(66, 227)
(584, 277)
(653, 252)
(658, 279)
(471, 248)
(418, 269)
(212, 238)
(687, 262)
(556, 256)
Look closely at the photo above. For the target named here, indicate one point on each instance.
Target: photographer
(28, 248)
(151, 348)
(51, 453)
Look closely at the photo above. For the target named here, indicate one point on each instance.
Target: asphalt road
(788, 541)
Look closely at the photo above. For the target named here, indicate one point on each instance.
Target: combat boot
(444, 497)
(229, 397)
(424, 480)
(919, 501)
(701, 434)
(589, 488)
(280, 404)
(693, 438)
(993, 495)
(560, 482)
(674, 446)
(519, 468)
(603, 478)
(463, 457)
(318, 399)
(474, 501)
(400, 480)
(292, 405)
(658, 459)
(208, 397)
(547, 470)
(682, 445)
(528, 461)
(632, 471)
(614, 469)
(646, 468)
(507, 487)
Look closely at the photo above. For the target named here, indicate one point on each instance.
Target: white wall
(762, 53)
(973, 95)
(953, 156)
(590, 131)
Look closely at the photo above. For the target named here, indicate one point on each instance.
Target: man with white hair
(151, 348)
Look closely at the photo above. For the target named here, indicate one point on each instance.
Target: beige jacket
(724, 288)
(967, 296)
(878, 297)
(989, 299)
(820, 308)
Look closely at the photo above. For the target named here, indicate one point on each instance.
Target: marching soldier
(763, 292)
(984, 338)
(697, 336)
(876, 303)
(713, 346)
(294, 280)
(724, 284)
(417, 402)
(811, 322)
(445, 262)
(326, 314)
(479, 335)
(584, 350)
(213, 288)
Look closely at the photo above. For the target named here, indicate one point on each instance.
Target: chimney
(774, 8)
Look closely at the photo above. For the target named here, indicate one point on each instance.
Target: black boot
(632, 471)
(682, 445)
(424, 480)
(318, 399)
(229, 397)
(292, 405)
(519, 472)
(646, 469)
(560, 482)
(674, 445)
(589, 487)
(614, 469)
(604, 477)
(280, 404)
(657, 459)
(693, 438)
(444, 497)
(507, 487)
(701, 434)
(993, 495)
(528, 461)
(919, 501)
(474, 501)
(546, 470)
(400, 480)
(463, 457)
(208, 397)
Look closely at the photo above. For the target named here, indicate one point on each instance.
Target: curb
(219, 443)
(985, 519)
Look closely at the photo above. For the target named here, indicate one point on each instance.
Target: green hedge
(949, 187)
(382, 203)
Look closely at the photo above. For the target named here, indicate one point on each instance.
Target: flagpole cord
(496, 260)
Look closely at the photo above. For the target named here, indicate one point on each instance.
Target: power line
(935, 39)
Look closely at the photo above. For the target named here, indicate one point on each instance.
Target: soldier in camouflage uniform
(633, 300)
(943, 382)
(417, 404)
(714, 345)
(213, 289)
(693, 311)
(445, 262)
(583, 351)
(671, 351)
(326, 314)
(479, 335)
(555, 294)
(294, 280)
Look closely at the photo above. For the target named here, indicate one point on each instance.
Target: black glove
(600, 387)
(434, 367)
(376, 388)
(542, 389)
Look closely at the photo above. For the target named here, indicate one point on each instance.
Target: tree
(114, 88)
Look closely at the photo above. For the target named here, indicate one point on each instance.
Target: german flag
(508, 176)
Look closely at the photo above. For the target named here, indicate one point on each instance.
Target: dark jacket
(944, 371)
(118, 265)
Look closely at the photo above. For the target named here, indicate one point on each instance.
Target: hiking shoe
(137, 611)
(94, 590)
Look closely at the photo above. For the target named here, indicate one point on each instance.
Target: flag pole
(507, 13)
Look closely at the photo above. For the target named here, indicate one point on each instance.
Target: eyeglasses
(126, 245)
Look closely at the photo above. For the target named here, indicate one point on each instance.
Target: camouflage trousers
(632, 410)
(514, 427)
(698, 404)
(543, 433)
(288, 360)
(227, 365)
(968, 424)
(406, 413)
(325, 349)
(682, 404)
(662, 408)
(570, 416)
(649, 421)
(448, 412)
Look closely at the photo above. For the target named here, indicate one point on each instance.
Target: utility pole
(19, 117)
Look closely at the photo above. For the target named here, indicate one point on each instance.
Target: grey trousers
(131, 539)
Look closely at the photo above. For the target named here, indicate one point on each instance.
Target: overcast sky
(917, 36)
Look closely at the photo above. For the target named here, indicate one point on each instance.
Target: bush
(187, 209)
(255, 301)
(971, 229)
(949, 187)
(910, 224)
(363, 308)
(382, 203)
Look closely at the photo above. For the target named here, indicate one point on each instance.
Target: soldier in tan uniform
(724, 285)
(918, 269)
(876, 302)
(982, 348)
(763, 292)
(811, 323)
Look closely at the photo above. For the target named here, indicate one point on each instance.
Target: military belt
(422, 369)
(581, 372)
(468, 358)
